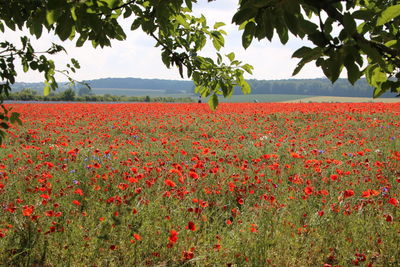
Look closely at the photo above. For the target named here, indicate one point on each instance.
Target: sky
(137, 57)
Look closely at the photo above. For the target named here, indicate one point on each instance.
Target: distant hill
(138, 86)
(171, 86)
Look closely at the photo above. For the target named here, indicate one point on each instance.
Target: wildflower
(193, 175)
(137, 237)
(394, 202)
(188, 255)
(45, 196)
(79, 192)
(170, 183)
(191, 226)
(308, 190)
(173, 237)
(348, 193)
(27, 210)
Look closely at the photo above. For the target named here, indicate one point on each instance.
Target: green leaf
(365, 15)
(307, 27)
(4, 125)
(46, 89)
(50, 17)
(246, 89)
(308, 55)
(189, 71)
(189, 4)
(25, 65)
(127, 13)
(243, 15)
(375, 76)
(349, 23)
(112, 3)
(81, 40)
(180, 68)
(36, 29)
(283, 34)
(299, 66)
(197, 89)
(14, 118)
(136, 24)
(225, 90)
(267, 18)
(231, 56)
(333, 67)
(213, 102)
(219, 59)
(165, 56)
(218, 24)
(370, 51)
(388, 14)
(64, 29)
(248, 68)
(377, 92)
(391, 43)
(182, 21)
(302, 52)
(291, 22)
(353, 72)
(248, 34)
(217, 42)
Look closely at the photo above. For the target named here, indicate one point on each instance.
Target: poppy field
(180, 185)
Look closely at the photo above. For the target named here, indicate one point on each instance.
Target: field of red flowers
(181, 185)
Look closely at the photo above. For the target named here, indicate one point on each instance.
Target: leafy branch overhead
(360, 36)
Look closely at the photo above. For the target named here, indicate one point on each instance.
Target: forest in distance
(130, 86)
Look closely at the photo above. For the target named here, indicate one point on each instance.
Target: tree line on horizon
(28, 94)
(315, 87)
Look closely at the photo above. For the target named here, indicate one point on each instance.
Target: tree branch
(335, 14)
(124, 5)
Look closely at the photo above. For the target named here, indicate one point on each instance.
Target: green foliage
(366, 44)
(70, 95)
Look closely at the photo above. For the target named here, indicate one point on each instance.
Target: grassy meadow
(273, 184)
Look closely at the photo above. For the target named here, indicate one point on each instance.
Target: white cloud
(137, 56)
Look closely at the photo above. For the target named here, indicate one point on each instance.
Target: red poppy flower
(45, 196)
(308, 190)
(137, 237)
(393, 201)
(173, 237)
(170, 183)
(348, 193)
(188, 255)
(193, 175)
(79, 192)
(27, 210)
(191, 226)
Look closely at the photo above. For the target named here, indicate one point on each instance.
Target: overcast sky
(137, 57)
